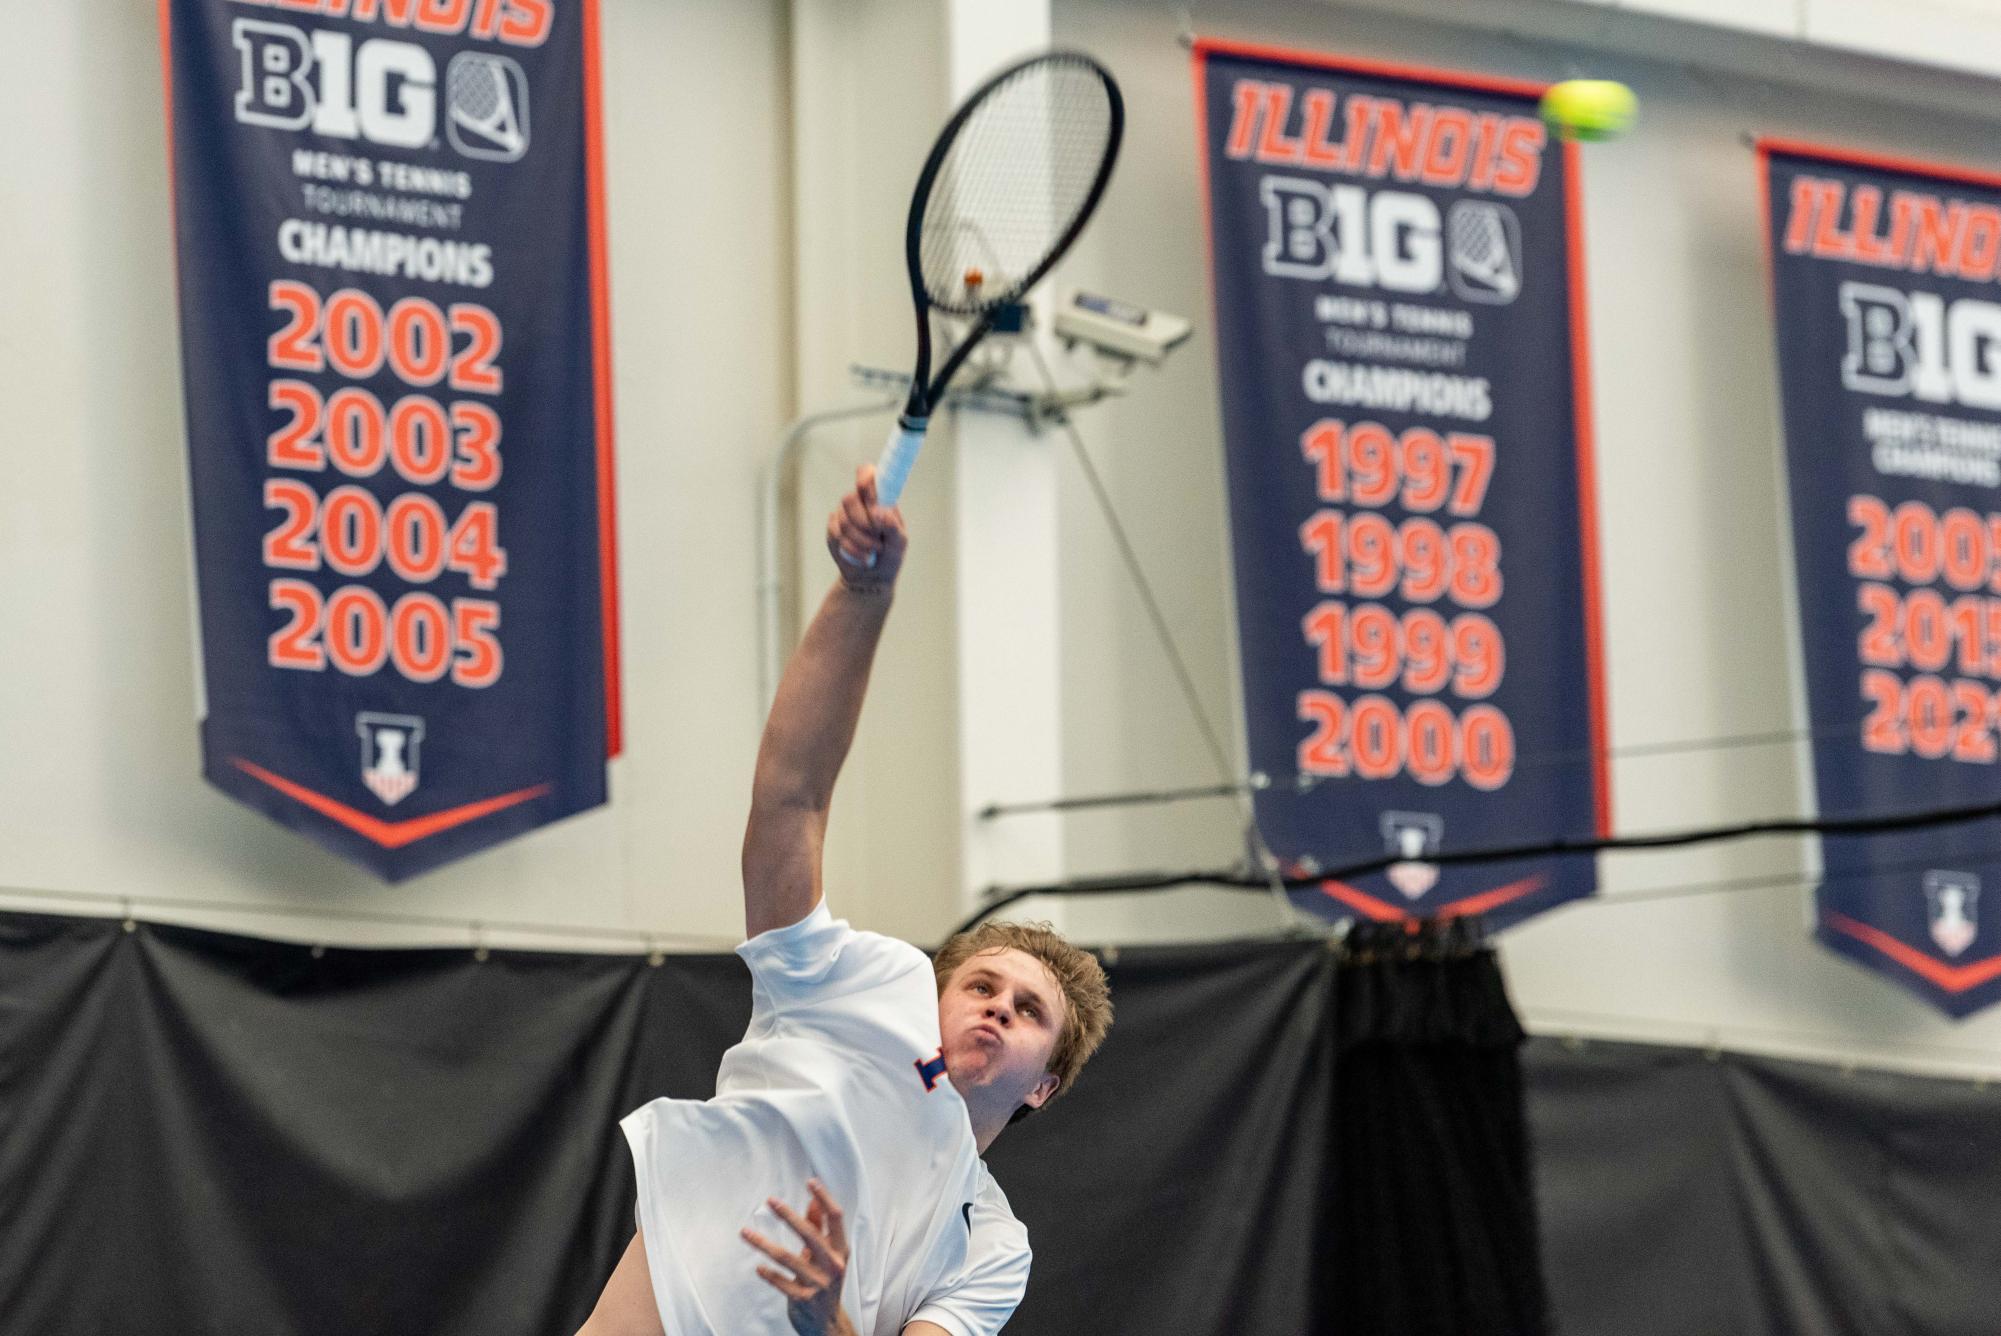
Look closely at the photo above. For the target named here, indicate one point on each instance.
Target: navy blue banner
(1889, 338)
(1399, 332)
(393, 335)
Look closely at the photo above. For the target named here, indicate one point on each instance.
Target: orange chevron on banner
(389, 834)
(1382, 911)
(1952, 978)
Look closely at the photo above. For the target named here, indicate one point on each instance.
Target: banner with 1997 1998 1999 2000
(388, 216)
(1398, 299)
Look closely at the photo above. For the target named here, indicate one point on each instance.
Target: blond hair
(1087, 1013)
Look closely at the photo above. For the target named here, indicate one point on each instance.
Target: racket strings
(477, 89)
(1479, 238)
(1014, 183)
(1480, 247)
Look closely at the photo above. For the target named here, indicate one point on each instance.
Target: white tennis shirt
(838, 1078)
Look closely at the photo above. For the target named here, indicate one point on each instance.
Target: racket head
(1016, 173)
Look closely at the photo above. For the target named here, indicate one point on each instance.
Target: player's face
(1000, 1015)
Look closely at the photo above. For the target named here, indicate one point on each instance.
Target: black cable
(992, 810)
(129, 905)
(999, 898)
(1303, 783)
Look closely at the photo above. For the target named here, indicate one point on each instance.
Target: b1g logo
(1386, 239)
(383, 91)
(1919, 345)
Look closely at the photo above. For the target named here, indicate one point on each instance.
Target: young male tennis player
(870, 1081)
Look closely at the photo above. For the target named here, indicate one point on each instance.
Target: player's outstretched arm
(627, 1307)
(813, 717)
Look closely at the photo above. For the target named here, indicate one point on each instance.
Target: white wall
(98, 789)
(1954, 34)
(1697, 620)
(748, 271)
(870, 84)
(758, 165)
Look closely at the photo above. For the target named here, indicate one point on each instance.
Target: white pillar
(1010, 697)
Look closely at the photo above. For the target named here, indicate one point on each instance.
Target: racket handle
(906, 438)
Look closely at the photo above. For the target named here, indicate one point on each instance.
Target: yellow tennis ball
(1589, 108)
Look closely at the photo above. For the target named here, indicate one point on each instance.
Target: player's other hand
(860, 529)
(810, 1279)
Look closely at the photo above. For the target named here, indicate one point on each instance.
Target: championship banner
(394, 339)
(1889, 337)
(1397, 282)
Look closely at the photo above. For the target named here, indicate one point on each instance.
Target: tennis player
(870, 1081)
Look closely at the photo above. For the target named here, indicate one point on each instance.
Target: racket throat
(917, 404)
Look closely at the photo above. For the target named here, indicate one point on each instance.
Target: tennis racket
(1010, 183)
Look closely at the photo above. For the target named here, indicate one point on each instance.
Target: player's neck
(987, 1125)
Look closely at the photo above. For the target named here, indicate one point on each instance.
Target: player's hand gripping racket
(1010, 183)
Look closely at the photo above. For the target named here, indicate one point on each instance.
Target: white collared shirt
(838, 1078)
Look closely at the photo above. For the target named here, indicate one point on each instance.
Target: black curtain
(1431, 1206)
(1179, 1187)
(1687, 1193)
(207, 1133)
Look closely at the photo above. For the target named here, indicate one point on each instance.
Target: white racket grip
(906, 438)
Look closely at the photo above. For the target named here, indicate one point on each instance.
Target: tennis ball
(1589, 108)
